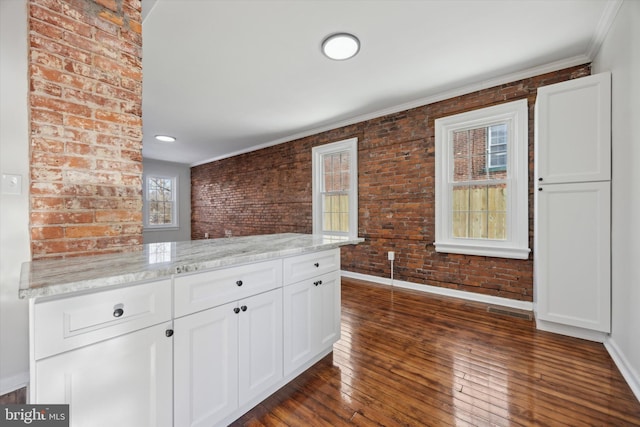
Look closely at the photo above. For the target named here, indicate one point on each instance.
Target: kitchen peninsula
(181, 333)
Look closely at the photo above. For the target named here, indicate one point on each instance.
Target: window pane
(480, 153)
(479, 212)
(335, 212)
(336, 172)
(160, 197)
(497, 147)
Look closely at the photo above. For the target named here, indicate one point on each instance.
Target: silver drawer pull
(118, 310)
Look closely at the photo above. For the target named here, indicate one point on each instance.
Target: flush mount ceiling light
(165, 138)
(340, 46)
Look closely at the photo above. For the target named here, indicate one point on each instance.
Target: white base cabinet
(311, 318)
(124, 381)
(206, 366)
(106, 354)
(226, 356)
(574, 255)
(200, 349)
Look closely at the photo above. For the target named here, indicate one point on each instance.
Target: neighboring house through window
(482, 182)
(335, 188)
(497, 146)
(160, 202)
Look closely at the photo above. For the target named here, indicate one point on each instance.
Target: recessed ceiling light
(165, 138)
(340, 46)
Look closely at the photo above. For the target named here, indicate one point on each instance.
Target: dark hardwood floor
(411, 359)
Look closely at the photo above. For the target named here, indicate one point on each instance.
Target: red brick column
(85, 97)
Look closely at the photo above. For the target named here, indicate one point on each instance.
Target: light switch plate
(11, 184)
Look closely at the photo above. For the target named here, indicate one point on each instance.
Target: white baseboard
(13, 383)
(470, 296)
(630, 375)
(571, 331)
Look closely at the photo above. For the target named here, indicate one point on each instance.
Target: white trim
(420, 102)
(317, 170)
(516, 245)
(571, 331)
(175, 224)
(14, 382)
(437, 290)
(483, 250)
(626, 369)
(604, 24)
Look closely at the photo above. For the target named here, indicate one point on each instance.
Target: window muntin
(160, 197)
(335, 189)
(481, 182)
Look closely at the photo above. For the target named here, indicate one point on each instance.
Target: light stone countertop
(155, 261)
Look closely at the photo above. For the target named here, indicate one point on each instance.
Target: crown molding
(420, 102)
(606, 21)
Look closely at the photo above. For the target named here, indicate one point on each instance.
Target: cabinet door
(206, 366)
(300, 324)
(260, 344)
(123, 381)
(328, 301)
(311, 319)
(573, 130)
(573, 255)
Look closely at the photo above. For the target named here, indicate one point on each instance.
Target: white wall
(183, 172)
(620, 54)
(14, 209)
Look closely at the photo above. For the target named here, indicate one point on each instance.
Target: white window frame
(174, 225)
(318, 153)
(516, 245)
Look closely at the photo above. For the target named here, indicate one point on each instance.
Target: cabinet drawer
(67, 323)
(200, 291)
(310, 265)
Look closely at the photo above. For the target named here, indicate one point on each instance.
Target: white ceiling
(226, 77)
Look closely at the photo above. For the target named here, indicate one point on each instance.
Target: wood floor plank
(407, 358)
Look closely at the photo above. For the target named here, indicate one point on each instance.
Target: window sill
(171, 228)
(482, 250)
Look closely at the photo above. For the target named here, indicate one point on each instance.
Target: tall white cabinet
(572, 220)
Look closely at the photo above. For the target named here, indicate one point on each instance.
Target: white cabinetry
(199, 349)
(572, 207)
(107, 354)
(574, 255)
(573, 131)
(206, 366)
(311, 308)
(260, 356)
(229, 355)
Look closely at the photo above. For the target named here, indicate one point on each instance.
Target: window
(160, 202)
(497, 146)
(335, 188)
(482, 182)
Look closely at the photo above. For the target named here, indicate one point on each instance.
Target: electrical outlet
(206, 235)
(391, 255)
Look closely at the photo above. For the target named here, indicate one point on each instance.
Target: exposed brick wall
(269, 191)
(85, 71)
